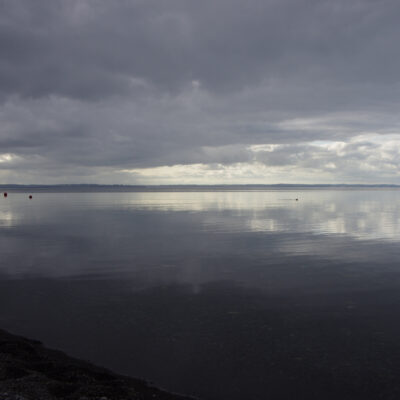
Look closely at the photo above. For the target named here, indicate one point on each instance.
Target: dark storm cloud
(92, 85)
(88, 49)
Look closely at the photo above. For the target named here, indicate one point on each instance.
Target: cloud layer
(185, 91)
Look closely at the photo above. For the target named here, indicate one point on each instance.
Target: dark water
(224, 295)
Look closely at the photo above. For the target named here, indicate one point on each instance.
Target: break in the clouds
(188, 91)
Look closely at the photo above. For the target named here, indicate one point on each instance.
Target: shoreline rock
(30, 371)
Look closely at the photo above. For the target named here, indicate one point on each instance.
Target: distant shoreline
(186, 188)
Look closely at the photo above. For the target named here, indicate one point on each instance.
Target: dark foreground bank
(29, 371)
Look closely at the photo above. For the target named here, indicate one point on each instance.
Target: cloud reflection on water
(189, 236)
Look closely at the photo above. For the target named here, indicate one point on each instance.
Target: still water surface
(223, 295)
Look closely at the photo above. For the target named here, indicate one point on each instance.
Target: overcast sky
(189, 91)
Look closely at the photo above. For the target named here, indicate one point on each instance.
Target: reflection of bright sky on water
(361, 214)
(361, 220)
(187, 236)
(6, 218)
(67, 234)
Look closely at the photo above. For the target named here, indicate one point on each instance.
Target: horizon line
(195, 185)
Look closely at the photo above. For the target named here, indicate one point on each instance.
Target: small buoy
(30, 196)
(5, 194)
(297, 199)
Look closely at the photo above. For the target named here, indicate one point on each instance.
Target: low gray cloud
(89, 88)
(360, 159)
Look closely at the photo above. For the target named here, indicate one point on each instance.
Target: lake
(219, 294)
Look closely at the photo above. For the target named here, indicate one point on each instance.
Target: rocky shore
(29, 371)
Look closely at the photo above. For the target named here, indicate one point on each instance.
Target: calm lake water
(223, 295)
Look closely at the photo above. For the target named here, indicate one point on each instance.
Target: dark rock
(29, 371)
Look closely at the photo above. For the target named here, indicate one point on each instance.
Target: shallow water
(224, 295)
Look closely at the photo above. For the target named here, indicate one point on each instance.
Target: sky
(199, 92)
